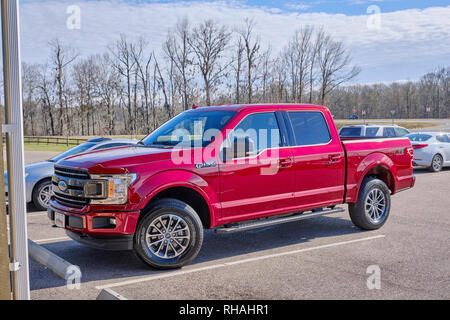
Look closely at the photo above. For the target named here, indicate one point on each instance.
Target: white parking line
(51, 240)
(30, 215)
(221, 265)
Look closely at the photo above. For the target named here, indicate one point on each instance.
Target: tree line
(133, 87)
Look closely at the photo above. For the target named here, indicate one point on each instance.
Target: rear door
(319, 159)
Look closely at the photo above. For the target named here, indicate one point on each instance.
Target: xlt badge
(205, 165)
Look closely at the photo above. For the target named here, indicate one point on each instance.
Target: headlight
(113, 189)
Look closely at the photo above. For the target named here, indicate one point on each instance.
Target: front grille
(73, 194)
(70, 201)
(71, 173)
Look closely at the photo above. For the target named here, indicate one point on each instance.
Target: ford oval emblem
(62, 185)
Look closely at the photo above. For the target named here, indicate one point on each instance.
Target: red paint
(306, 177)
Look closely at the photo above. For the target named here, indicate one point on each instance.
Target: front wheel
(372, 209)
(41, 194)
(169, 236)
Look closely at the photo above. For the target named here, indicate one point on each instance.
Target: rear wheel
(169, 236)
(41, 194)
(372, 209)
(437, 163)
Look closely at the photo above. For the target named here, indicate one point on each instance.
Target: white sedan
(431, 149)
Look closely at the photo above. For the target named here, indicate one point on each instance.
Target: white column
(14, 148)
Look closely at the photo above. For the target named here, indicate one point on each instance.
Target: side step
(271, 222)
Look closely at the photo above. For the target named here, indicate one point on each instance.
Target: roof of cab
(240, 107)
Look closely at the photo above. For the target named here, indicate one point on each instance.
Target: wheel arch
(33, 189)
(188, 195)
(381, 167)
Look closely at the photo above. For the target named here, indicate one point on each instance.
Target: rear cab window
(351, 132)
(309, 128)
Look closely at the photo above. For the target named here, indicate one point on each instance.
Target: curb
(108, 294)
(58, 265)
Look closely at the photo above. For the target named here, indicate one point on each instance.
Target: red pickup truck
(232, 168)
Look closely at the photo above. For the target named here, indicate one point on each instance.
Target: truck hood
(115, 160)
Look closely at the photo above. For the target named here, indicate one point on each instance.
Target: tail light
(411, 154)
(410, 151)
(419, 146)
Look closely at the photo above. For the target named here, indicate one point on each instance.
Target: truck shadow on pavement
(97, 265)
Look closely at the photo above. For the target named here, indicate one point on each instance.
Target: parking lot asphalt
(320, 258)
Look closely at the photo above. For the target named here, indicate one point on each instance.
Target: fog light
(112, 221)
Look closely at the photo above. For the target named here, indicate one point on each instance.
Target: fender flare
(180, 178)
(377, 160)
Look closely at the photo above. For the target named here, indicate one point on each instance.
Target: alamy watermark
(73, 278)
(374, 279)
(374, 19)
(73, 22)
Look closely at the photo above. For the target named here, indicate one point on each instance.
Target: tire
(41, 194)
(168, 250)
(373, 216)
(437, 163)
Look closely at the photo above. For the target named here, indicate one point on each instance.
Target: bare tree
(208, 40)
(46, 96)
(252, 46)
(30, 86)
(124, 62)
(61, 58)
(334, 66)
(178, 50)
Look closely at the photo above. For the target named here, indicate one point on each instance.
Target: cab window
(310, 128)
(261, 128)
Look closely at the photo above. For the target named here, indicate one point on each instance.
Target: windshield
(350, 132)
(192, 128)
(78, 149)
(419, 137)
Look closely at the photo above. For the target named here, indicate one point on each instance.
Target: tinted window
(262, 128)
(350, 132)
(419, 137)
(190, 128)
(309, 128)
(372, 132)
(443, 138)
(388, 132)
(401, 132)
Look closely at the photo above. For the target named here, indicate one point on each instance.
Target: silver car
(372, 130)
(431, 149)
(38, 175)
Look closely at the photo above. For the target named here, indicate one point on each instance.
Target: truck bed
(366, 155)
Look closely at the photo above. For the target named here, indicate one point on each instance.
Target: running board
(275, 221)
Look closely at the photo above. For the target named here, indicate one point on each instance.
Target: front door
(262, 183)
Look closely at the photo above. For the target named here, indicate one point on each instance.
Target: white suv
(372, 130)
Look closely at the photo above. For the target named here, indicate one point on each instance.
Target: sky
(391, 40)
